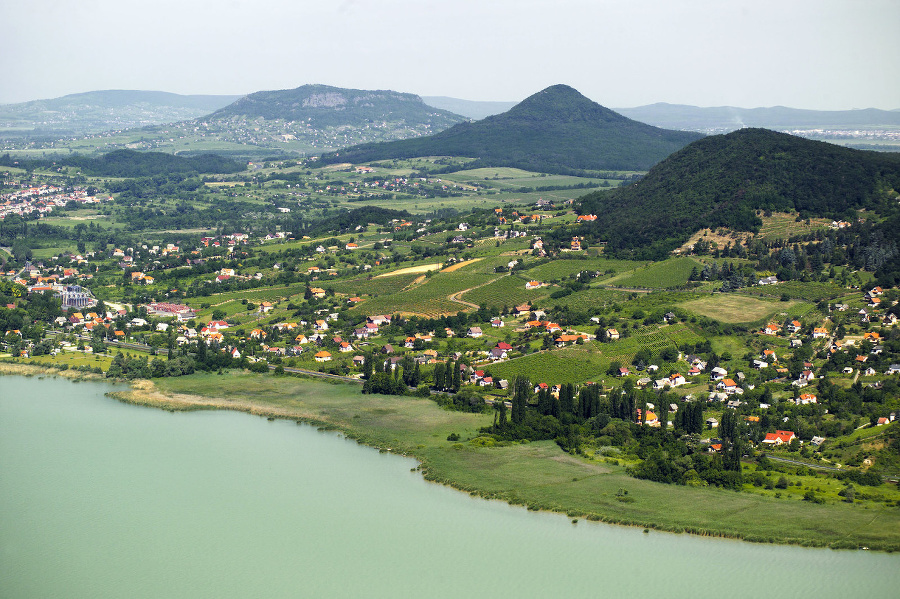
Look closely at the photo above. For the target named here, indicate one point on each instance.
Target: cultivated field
(735, 308)
(505, 292)
(783, 226)
(661, 275)
(411, 270)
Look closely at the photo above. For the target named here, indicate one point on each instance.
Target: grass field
(590, 362)
(539, 474)
(74, 359)
(416, 270)
(734, 308)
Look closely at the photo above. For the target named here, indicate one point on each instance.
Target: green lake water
(102, 499)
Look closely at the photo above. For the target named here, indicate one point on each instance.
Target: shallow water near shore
(104, 499)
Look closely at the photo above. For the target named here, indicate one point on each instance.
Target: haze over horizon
(820, 55)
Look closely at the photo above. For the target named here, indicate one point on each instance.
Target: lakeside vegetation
(538, 475)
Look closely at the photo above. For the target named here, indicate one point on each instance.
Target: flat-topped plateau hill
(325, 106)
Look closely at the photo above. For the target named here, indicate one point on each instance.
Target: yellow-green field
(734, 308)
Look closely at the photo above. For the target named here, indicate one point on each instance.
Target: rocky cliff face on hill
(322, 106)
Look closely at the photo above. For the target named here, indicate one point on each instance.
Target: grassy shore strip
(18, 369)
(538, 476)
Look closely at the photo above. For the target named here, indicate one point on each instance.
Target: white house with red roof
(779, 437)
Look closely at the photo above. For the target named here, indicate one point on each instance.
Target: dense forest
(129, 163)
(723, 180)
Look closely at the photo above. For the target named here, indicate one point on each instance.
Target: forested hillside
(556, 130)
(722, 180)
(129, 163)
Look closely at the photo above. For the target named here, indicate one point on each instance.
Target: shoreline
(146, 393)
(22, 369)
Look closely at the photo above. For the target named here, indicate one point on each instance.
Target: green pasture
(590, 362)
(74, 359)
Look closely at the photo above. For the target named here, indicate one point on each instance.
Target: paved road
(798, 463)
(323, 375)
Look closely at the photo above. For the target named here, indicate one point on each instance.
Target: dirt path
(454, 297)
(459, 265)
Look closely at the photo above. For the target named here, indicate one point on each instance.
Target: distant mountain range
(555, 130)
(722, 180)
(730, 118)
(98, 111)
(314, 119)
(308, 119)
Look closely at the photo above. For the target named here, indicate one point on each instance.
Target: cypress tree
(439, 376)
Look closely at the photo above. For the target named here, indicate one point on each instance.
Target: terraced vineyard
(373, 286)
(813, 292)
(570, 365)
(590, 300)
(430, 298)
(508, 291)
(558, 269)
(659, 275)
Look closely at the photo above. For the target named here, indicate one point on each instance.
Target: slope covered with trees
(722, 180)
(129, 163)
(555, 130)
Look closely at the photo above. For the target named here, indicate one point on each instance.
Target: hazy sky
(818, 54)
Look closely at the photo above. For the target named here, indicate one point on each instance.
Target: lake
(104, 499)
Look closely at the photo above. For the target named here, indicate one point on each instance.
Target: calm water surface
(103, 499)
